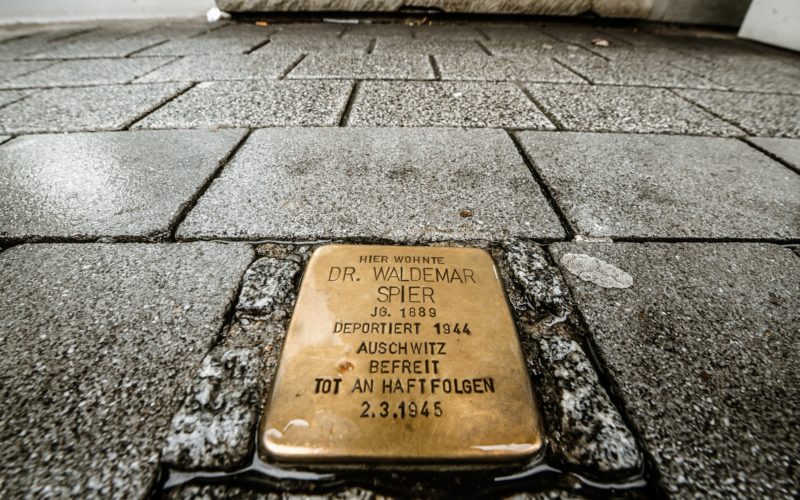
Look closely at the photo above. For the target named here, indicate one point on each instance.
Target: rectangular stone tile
(12, 31)
(634, 69)
(17, 48)
(231, 39)
(759, 114)
(401, 184)
(88, 72)
(532, 48)
(230, 67)
(499, 68)
(85, 108)
(99, 44)
(651, 186)
(373, 66)
(99, 342)
(307, 29)
(515, 32)
(394, 30)
(4, 138)
(598, 108)
(446, 33)
(336, 46)
(752, 73)
(105, 184)
(254, 104)
(584, 35)
(9, 96)
(703, 349)
(444, 104)
(662, 55)
(787, 150)
(173, 29)
(385, 45)
(9, 70)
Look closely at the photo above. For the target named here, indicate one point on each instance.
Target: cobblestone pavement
(162, 184)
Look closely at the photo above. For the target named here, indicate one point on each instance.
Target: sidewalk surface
(162, 184)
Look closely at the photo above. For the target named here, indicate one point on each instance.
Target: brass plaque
(401, 354)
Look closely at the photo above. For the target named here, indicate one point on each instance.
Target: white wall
(44, 11)
(776, 22)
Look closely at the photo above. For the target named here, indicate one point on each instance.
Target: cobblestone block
(445, 104)
(105, 184)
(626, 109)
(99, 342)
(9, 70)
(290, 183)
(88, 72)
(396, 67)
(9, 96)
(584, 427)
(771, 115)
(231, 67)
(253, 104)
(633, 69)
(483, 67)
(110, 107)
(787, 150)
(232, 39)
(650, 186)
(703, 351)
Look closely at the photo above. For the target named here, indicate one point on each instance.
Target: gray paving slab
(581, 35)
(217, 432)
(378, 29)
(4, 138)
(108, 107)
(88, 72)
(599, 108)
(663, 55)
(230, 67)
(105, 184)
(754, 73)
(659, 186)
(448, 32)
(635, 69)
(173, 29)
(499, 68)
(9, 96)
(99, 342)
(10, 32)
(400, 184)
(254, 104)
(12, 69)
(233, 39)
(99, 45)
(771, 115)
(331, 45)
(652, 35)
(584, 428)
(531, 48)
(37, 42)
(703, 351)
(787, 150)
(515, 32)
(373, 66)
(307, 29)
(445, 104)
(391, 45)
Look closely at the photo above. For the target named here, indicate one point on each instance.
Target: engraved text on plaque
(404, 354)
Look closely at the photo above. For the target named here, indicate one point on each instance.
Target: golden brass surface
(401, 354)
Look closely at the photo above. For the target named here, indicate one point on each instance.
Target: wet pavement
(162, 184)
